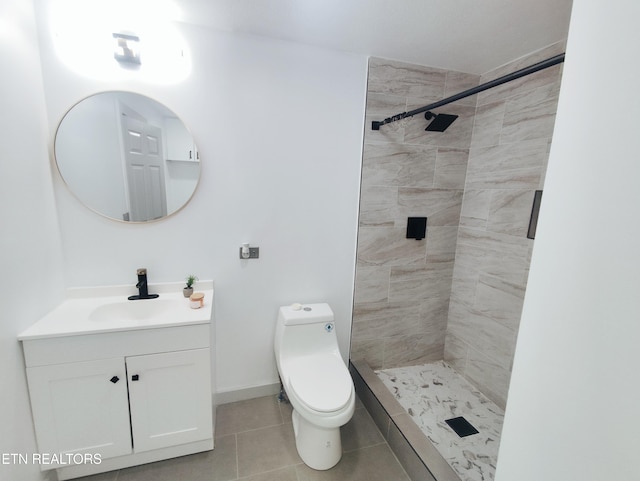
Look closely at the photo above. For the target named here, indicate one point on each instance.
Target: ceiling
(473, 36)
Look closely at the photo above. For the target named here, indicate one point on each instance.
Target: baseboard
(225, 397)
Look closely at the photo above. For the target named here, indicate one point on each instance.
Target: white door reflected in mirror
(127, 157)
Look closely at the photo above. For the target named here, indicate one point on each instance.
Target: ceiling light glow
(87, 47)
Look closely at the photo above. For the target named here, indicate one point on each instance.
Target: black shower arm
(550, 62)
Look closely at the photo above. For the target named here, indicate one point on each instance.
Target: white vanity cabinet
(132, 396)
(84, 407)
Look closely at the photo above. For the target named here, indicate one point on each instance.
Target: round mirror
(127, 157)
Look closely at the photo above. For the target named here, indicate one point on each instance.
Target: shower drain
(461, 426)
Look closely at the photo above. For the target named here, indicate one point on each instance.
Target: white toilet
(316, 381)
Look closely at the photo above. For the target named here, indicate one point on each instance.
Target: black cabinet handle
(135, 377)
(114, 379)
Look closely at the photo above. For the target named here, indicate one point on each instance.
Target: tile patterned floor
(254, 442)
(432, 393)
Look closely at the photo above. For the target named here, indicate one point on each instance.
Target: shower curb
(418, 456)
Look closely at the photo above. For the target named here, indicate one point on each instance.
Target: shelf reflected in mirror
(127, 157)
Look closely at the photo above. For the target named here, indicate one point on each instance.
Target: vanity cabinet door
(81, 407)
(170, 398)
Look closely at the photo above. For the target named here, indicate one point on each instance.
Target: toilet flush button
(296, 306)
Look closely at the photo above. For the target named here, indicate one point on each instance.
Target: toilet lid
(321, 382)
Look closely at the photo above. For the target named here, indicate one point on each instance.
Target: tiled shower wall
(458, 293)
(403, 285)
(507, 163)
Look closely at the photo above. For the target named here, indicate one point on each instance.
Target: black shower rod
(550, 62)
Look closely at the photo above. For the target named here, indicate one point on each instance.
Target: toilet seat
(321, 382)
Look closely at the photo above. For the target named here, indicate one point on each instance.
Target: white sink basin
(140, 310)
(104, 309)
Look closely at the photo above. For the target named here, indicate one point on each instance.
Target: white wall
(279, 129)
(572, 412)
(30, 254)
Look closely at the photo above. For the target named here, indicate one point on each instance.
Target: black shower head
(441, 121)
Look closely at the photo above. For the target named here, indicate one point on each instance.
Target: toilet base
(319, 448)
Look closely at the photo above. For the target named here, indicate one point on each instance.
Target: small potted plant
(187, 291)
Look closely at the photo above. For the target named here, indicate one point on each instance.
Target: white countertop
(94, 310)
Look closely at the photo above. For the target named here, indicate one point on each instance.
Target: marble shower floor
(432, 393)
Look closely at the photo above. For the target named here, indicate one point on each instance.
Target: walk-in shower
(450, 302)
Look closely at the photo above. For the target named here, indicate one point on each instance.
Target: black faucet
(143, 288)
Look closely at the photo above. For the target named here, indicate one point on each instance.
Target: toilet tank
(305, 331)
(297, 314)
